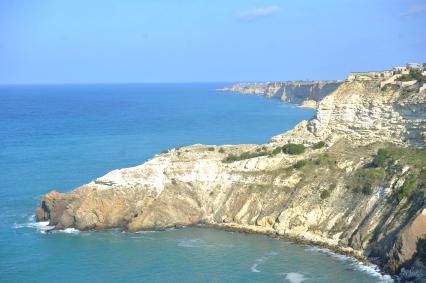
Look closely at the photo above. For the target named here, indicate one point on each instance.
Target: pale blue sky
(82, 41)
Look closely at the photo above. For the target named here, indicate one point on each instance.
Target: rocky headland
(352, 178)
(302, 93)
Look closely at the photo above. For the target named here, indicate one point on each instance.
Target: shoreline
(348, 253)
(336, 250)
(297, 240)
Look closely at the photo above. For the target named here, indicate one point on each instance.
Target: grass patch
(366, 178)
(290, 148)
(381, 157)
(325, 160)
(407, 188)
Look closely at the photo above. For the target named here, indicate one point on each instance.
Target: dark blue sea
(62, 136)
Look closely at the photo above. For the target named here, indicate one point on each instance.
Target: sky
(137, 41)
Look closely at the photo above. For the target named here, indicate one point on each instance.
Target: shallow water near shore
(66, 135)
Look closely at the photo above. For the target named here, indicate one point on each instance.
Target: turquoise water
(63, 136)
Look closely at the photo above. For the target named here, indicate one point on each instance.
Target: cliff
(352, 178)
(297, 92)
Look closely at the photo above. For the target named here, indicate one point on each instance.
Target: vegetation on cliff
(380, 158)
(293, 148)
(318, 145)
(290, 148)
(414, 75)
(245, 155)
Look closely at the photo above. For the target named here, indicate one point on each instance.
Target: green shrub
(230, 158)
(165, 151)
(406, 189)
(210, 148)
(245, 155)
(366, 190)
(276, 150)
(318, 145)
(413, 76)
(380, 158)
(221, 150)
(259, 149)
(293, 148)
(324, 194)
(299, 164)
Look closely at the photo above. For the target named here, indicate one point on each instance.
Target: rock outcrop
(365, 112)
(296, 92)
(333, 194)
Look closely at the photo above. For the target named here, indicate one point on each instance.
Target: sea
(62, 136)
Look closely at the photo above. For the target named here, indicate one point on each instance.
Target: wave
(146, 232)
(42, 226)
(294, 277)
(261, 260)
(369, 268)
(253, 268)
(67, 231)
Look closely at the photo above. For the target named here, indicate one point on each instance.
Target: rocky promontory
(353, 178)
(303, 93)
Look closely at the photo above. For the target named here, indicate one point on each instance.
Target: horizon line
(165, 82)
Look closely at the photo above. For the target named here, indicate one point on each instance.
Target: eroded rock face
(363, 112)
(297, 92)
(194, 185)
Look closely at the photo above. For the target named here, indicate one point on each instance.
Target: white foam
(294, 277)
(68, 231)
(369, 268)
(261, 260)
(254, 269)
(146, 232)
(41, 226)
